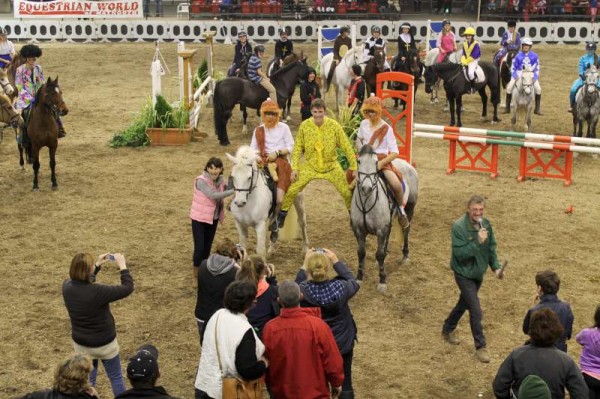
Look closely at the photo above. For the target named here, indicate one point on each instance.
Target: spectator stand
(326, 36)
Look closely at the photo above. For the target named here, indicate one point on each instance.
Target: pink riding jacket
(446, 46)
(203, 208)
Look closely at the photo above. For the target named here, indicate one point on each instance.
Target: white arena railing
(266, 30)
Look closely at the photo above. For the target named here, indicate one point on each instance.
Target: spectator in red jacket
(300, 334)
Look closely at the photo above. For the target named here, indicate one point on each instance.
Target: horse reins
(362, 201)
(253, 182)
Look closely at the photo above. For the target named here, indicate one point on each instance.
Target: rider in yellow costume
(318, 139)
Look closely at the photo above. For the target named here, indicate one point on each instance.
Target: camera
(319, 250)
(110, 257)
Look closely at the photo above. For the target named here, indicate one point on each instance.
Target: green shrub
(350, 125)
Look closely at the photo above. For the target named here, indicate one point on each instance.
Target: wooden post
(188, 72)
(209, 35)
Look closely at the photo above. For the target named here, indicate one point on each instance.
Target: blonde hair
(318, 267)
(252, 268)
(71, 375)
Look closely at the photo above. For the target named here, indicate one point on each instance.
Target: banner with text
(78, 9)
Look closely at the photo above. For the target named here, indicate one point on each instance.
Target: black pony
(456, 84)
(231, 91)
(505, 73)
(412, 65)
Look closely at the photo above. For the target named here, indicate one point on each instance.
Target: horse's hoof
(494, 123)
(382, 288)
(483, 119)
(446, 109)
(35, 189)
(245, 129)
(54, 188)
(436, 101)
(288, 118)
(405, 261)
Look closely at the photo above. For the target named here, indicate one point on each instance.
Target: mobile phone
(110, 257)
(319, 250)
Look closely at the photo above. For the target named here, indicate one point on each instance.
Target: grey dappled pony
(523, 97)
(587, 106)
(253, 200)
(372, 213)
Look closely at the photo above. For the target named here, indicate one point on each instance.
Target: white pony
(342, 77)
(523, 99)
(253, 201)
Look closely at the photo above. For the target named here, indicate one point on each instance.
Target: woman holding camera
(92, 324)
(207, 208)
(214, 275)
(331, 292)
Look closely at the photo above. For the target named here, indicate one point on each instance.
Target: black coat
(156, 392)
(283, 49)
(52, 394)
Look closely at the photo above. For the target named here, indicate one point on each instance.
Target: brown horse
(42, 128)
(9, 116)
(375, 65)
(11, 71)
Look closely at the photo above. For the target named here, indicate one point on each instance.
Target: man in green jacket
(473, 250)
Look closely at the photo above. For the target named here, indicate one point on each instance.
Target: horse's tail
(397, 234)
(220, 114)
(493, 77)
(289, 231)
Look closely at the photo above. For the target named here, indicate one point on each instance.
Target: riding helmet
(375, 29)
(446, 22)
(590, 46)
(242, 33)
(282, 31)
(3, 32)
(405, 25)
(512, 23)
(30, 51)
(345, 29)
(469, 31)
(526, 42)
(259, 48)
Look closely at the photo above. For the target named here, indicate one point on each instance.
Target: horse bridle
(252, 180)
(4, 85)
(354, 58)
(587, 95)
(524, 86)
(374, 180)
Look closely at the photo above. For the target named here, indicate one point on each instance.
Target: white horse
(587, 104)
(253, 201)
(523, 97)
(342, 77)
(430, 60)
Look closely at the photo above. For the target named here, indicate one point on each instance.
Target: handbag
(236, 387)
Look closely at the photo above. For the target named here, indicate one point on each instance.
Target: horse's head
(510, 56)
(366, 180)
(413, 62)
(51, 96)
(5, 83)
(430, 78)
(527, 81)
(244, 174)
(591, 76)
(379, 58)
(8, 114)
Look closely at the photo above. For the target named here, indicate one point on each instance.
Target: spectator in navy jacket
(331, 290)
(266, 307)
(92, 324)
(548, 284)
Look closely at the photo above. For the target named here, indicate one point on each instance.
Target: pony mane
(288, 63)
(38, 93)
(245, 153)
(4, 99)
(366, 149)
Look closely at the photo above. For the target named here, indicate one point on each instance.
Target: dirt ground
(136, 201)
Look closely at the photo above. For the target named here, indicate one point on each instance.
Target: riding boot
(508, 101)
(538, 98)
(281, 218)
(472, 82)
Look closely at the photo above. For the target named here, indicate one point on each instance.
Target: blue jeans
(468, 300)
(113, 370)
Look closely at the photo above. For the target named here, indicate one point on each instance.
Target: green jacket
(469, 258)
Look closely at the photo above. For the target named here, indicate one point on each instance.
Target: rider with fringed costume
(274, 142)
(341, 45)
(256, 74)
(526, 58)
(585, 61)
(283, 48)
(470, 56)
(375, 41)
(243, 49)
(511, 41)
(406, 42)
(376, 132)
(7, 49)
(318, 139)
(28, 79)
(446, 42)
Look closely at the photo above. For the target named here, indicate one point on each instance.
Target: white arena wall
(266, 30)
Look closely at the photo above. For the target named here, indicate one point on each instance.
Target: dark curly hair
(239, 296)
(545, 328)
(30, 51)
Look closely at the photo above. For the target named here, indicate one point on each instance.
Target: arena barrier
(403, 135)
(266, 30)
(205, 91)
(541, 155)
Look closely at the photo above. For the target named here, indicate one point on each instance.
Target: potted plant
(170, 125)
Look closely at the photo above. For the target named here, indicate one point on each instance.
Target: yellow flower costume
(319, 144)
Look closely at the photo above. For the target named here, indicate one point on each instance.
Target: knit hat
(534, 387)
(30, 51)
(144, 364)
(372, 103)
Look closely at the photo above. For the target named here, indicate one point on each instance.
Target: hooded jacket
(332, 296)
(309, 90)
(214, 275)
(589, 338)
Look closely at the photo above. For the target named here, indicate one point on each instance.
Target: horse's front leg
(244, 118)
(380, 256)
(242, 233)
(515, 116)
(528, 126)
(458, 110)
(410, 212)
(288, 109)
(580, 127)
(35, 155)
(299, 205)
(361, 252)
(52, 153)
(21, 160)
(484, 103)
(261, 238)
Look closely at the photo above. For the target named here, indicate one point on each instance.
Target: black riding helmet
(512, 23)
(590, 46)
(259, 47)
(345, 29)
(30, 51)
